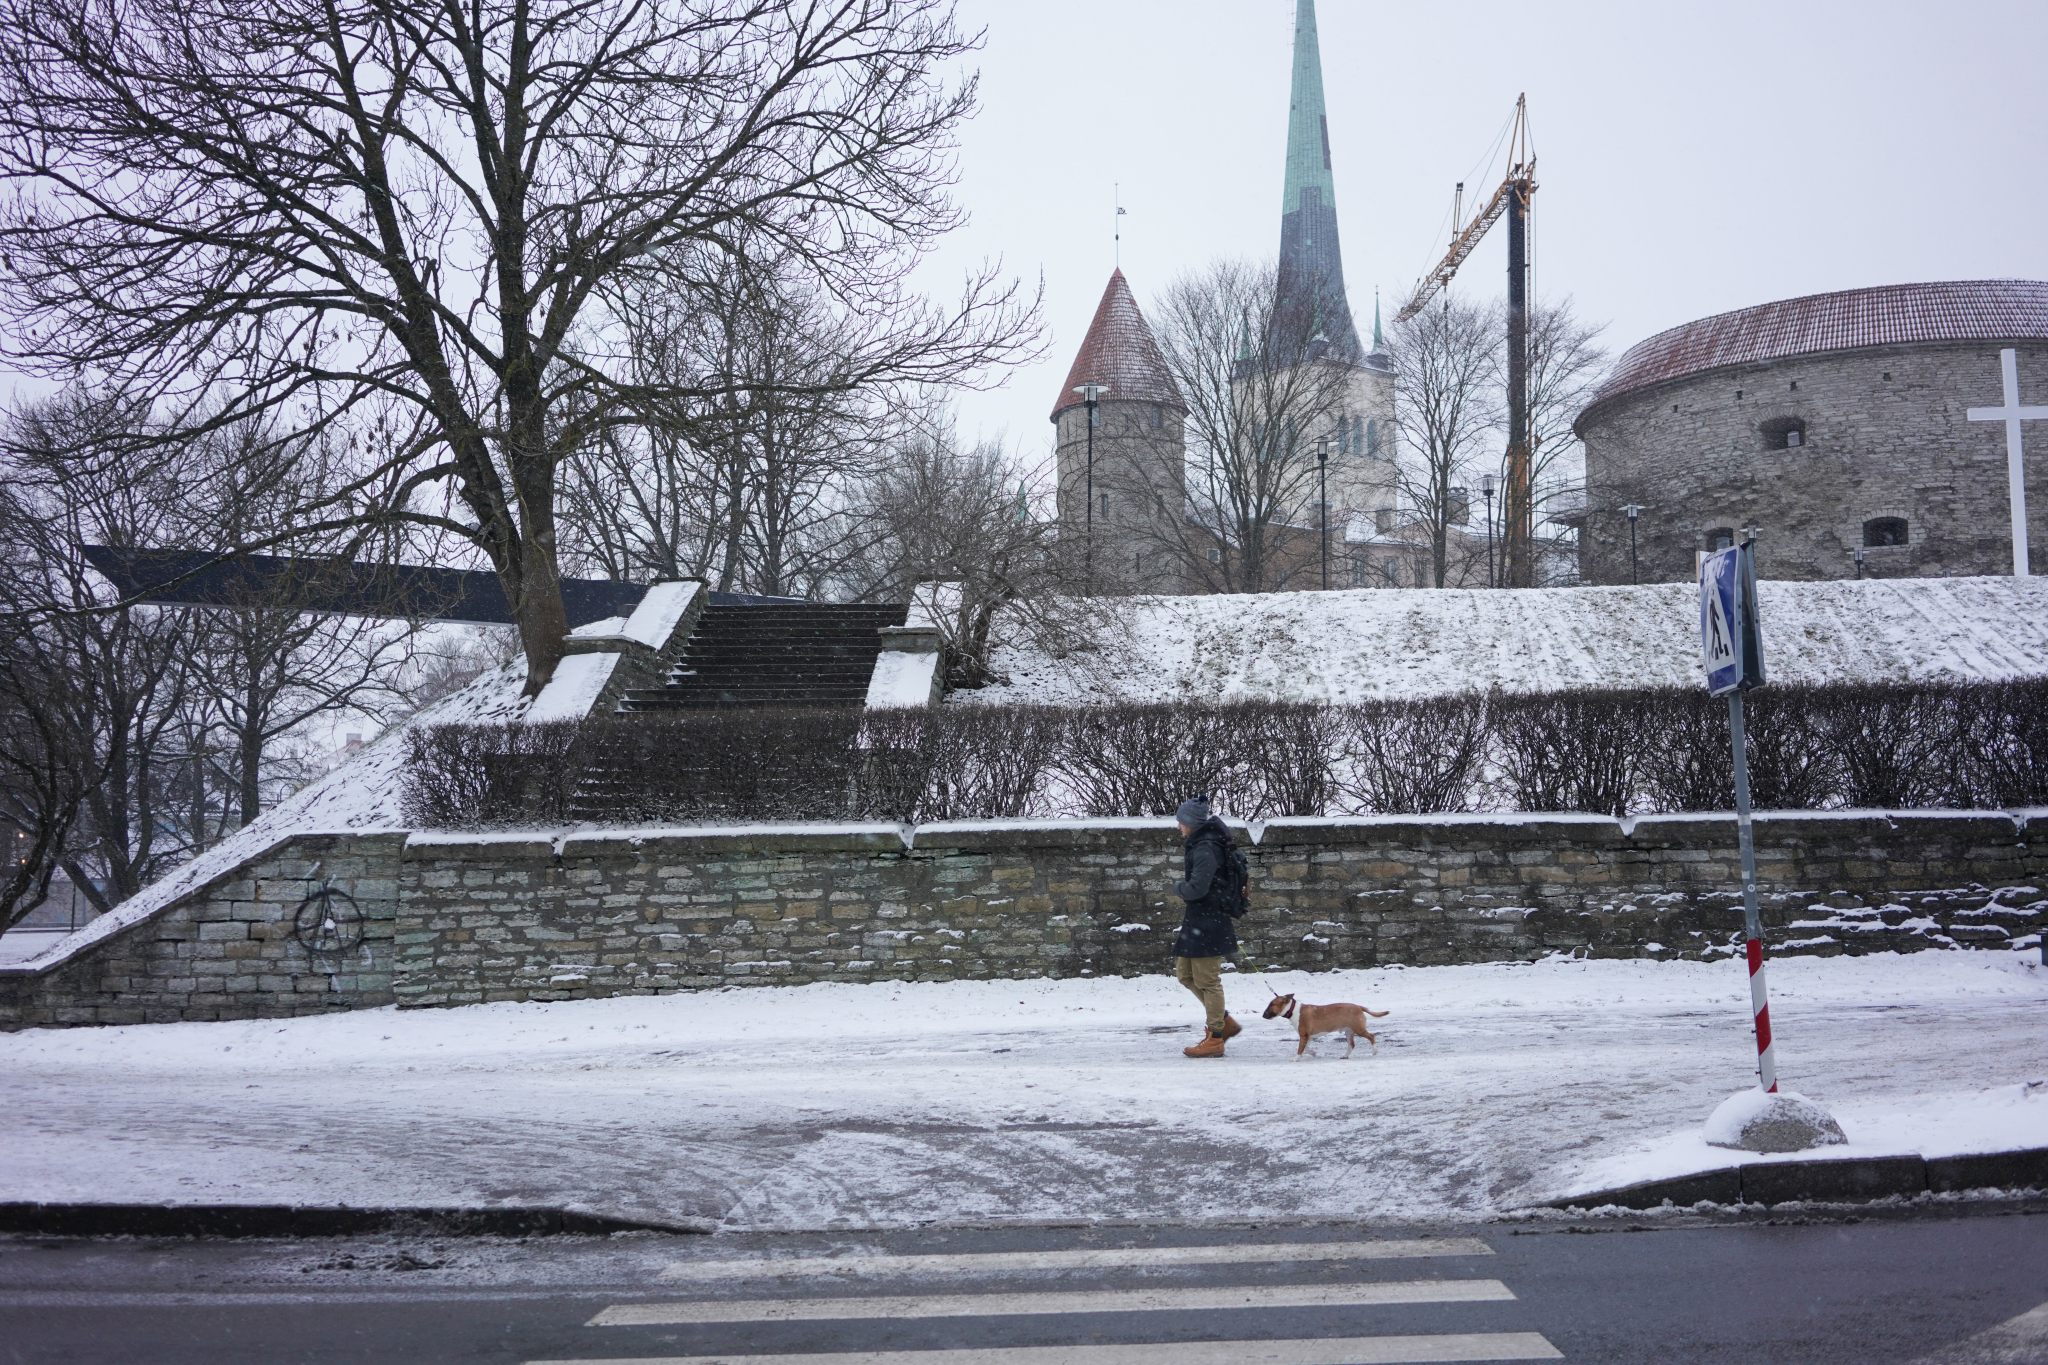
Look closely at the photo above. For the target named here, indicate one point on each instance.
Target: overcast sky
(1691, 159)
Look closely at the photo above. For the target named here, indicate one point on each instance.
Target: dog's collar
(1288, 1013)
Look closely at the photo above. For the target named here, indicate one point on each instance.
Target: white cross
(2012, 414)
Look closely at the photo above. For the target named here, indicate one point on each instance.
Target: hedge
(1612, 752)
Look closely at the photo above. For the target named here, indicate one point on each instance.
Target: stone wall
(226, 950)
(1886, 435)
(455, 919)
(506, 918)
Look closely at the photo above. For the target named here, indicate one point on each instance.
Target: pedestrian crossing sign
(1731, 648)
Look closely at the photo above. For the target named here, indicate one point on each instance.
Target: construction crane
(1511, 201)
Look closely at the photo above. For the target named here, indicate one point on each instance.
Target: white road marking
(1076, 1301)
(1416, 1350)
(1118, 1258)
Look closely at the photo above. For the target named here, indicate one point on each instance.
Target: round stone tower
(1124, 508)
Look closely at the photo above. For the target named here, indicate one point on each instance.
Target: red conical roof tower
(1120, 352)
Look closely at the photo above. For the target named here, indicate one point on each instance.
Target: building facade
(1834, 424)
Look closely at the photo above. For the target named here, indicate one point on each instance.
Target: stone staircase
(781, 654)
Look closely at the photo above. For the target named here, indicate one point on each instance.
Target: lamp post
(1323, 495)
(1487, 483)
(1091, 394)
(1859, 574)
(1634, 510)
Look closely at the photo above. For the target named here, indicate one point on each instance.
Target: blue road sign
(1720, 620)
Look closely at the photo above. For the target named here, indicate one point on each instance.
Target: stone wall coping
(1124, 832)
(716, 839)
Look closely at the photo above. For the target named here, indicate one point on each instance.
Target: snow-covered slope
(1391, 643)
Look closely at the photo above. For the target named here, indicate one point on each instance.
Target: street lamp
(1487, 483)
(1323, 493)
(1091, 394)
(1634, 510)
(1859, 574)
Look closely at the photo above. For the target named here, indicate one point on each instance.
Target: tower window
(1360, 570)
(1784, 433)
(1720, 538)
(1137, 564)
(1158, 416)
(1215, 555)
(1372, 438)
(1390, 570)
(1105, 506)
(1883, 531)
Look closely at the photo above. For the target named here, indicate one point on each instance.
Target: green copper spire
(1308, 128)
(1311, 266)
(1379, 342)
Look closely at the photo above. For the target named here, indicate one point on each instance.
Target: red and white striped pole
(1752, 920)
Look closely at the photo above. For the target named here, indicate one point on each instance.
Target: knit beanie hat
(1193, 812)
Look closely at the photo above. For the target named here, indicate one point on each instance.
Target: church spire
(1379, 342)
(1311, 265)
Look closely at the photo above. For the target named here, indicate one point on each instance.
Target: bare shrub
(1791, 765)
(731, 764)
(1570, 751)
(1147, 759)
(1415, 757)
(1288, 752)
(1893, 744)
(488, 776)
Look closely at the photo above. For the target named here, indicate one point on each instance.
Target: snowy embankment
(1391, 644)
(1493, 1087)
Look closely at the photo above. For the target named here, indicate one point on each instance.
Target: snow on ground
(1390, 643)
(879, 1105)
(361, 796)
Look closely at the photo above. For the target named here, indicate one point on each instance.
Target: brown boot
(1211, 1046)
(1231, 1028)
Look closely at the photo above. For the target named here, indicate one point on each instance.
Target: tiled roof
(1890, 315)
(1120, 351)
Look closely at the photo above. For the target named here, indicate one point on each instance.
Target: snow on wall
(902, 678)
(1392, 644)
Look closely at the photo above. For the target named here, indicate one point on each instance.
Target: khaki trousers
(1203, 976)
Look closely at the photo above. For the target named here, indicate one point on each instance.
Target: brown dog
(1316, 1019)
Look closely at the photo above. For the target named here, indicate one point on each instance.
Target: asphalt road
(1902, 1287)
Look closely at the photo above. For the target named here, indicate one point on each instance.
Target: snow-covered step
(1080, 1258)
(1145, 1300)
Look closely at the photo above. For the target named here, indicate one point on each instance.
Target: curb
(1840, 1181)
(288, 1220)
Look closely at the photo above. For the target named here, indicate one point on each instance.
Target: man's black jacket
(1206, 929)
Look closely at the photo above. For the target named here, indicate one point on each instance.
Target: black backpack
(1234, 882)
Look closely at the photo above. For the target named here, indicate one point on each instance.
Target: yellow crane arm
(1438, 278)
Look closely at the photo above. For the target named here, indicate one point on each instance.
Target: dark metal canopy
(200, 578)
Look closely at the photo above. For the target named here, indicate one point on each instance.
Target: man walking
(1206, 932)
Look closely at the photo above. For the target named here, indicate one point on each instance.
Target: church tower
(1311, 259)
(1312, 316)
(1123, 509)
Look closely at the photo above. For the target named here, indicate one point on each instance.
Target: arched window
(1343, 435)
(1882, 531)
(1784, 433)
(1390, 570)
(1372, 438)
(1720, 538)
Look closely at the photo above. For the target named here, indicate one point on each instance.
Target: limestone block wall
(535, 918)
(226, 949)
(1885, 435)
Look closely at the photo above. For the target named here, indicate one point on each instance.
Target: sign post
(1732, 650)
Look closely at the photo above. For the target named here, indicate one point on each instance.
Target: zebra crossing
(939, 1290)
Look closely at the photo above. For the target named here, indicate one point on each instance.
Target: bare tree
(99, 689)
(938, 511)
(1446, 406)
(747, 489)
(1260, 387)
(300, 210)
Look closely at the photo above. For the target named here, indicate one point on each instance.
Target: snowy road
(874, 1106)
